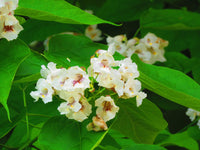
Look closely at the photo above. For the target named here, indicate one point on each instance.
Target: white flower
(8, 6)
(132, 87)
(117, 44)
(106, 108)
(77, 110)
(44, 91)
(71, 95)
(139, 98)
(192, 114)
(111, 80)
(155, 46)
(198, 123)
(97, 124)
(103, 63)
(11, 27)
(142, 52)
(128, 69)
(93, 33)
(58, 78)
(77, 79)
(51, 67)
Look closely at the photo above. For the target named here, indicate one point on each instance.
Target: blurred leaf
(179, 139)
(170, 19)
(142, 124)
(61, 133)
(162, 102)
(194, 132)
(20, 19)
(91, 5)
(12, 54)
(56, 10)
(177, 61)
(78, 49)
(126, 10)
(170, 84)
(128, 144)
(40, 30)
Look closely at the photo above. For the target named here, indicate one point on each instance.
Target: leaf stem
(136, 33)
(25, 105)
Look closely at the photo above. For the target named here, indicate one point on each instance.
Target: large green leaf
(142, 124)
(178, 61)
(78, 49)
(17, 111)
(61, 133)
(170, 19)
(40, 30)
(126, 10)
(56, 10)
(129, 144)
(12, 54)
(180, 139)
(31, 65)
(171, 84)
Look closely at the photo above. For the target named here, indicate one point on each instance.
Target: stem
(41, 115)
(189, 125)
(136, 33)
(101, 147)
(99, 92)
(27, 122)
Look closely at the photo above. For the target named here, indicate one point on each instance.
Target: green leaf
(169, 83)
(179, 139)
(56, 10)
(178, 61)
(61, 133)
(31, 65)
(40, 30)
(142, 124)
(17, 112)
(78, 49)
(12, 54)
(194, 132)
(170, 19)
(126, 10)
(128, 144)
(19, 137)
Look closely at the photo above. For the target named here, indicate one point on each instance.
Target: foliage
(55, 31)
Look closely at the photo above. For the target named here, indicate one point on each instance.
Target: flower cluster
(119, 76)
(9, 25)
(70, 85)
(193, 114)
(149, 49)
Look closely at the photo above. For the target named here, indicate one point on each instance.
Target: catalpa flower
(111, 80)
(117, 43)
(103, 63)
(93, 33)
(9, 27)
(106, 108)
(128, 69)
(71, 95)
(97, 124)
(44, 91)
(78, 79)
(192, 114)
(77, 110)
